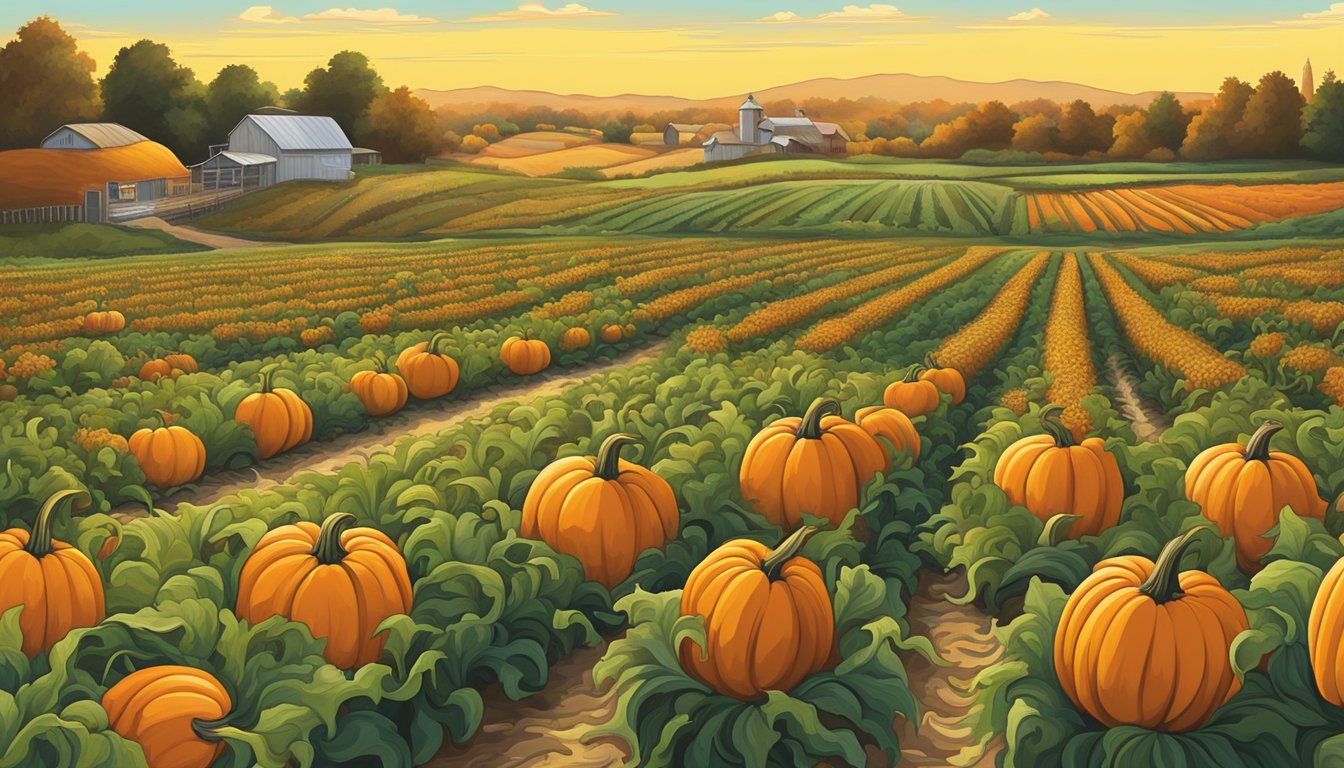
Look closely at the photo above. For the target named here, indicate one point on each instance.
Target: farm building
(304, 146)
(681, 134)
(228, 170)
(757, 134)
(362, 156)
(91, 136)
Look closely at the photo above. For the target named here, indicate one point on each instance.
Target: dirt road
(200, 237)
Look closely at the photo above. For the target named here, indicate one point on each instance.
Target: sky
(712, 48)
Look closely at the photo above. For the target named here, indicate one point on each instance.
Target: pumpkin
(101, 321)
(278, 418)
(816, 465)
(1325, 628)
(611, 333)
(629, 330)
(155, 369)
(1052, 474)
(768, 618)
(912, 395)
(948, 380)
(168, 710)
(182, 362)
(1144, 644)
(575, 338)
(1242, 489)
(382, 393)
(8, 393)
(429, 373)
(525, 356)
(602, 510)
(896, 427)
(55, 583)
(169, 456)
(341, 582)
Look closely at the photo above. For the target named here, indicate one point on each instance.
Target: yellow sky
(730, 59)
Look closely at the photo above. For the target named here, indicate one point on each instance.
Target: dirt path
(1147, 419)
(960, 634)
(200, 237)
(331, 455)
(545, 730)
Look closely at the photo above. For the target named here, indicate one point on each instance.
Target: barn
(304, 146)
(92, 136)
(240, 171)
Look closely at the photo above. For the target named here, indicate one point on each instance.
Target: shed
(678, 134)
(91, 136)
(362, 156)
(234, 170)
(304, 146)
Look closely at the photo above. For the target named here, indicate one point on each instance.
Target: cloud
(1035, 14)
(1334, 13)
(850, 13)
(264, 14)
(539, 12)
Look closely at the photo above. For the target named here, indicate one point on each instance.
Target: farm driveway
(200, 237)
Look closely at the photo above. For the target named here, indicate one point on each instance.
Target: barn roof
(103, 135)
(301, 132)
(801, 129)
(685, 127)
(832, 129)
(229, 157)
(60, 176)
(726, 137)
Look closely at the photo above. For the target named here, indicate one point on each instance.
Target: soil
(198, 236)
(1146, 418)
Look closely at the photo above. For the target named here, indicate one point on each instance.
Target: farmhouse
(302, 146)
(757, 134)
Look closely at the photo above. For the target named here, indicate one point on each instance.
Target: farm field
(965, 378)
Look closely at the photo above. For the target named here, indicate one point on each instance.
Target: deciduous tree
(1324, 121)
(1082, 130)
(235, 92)
(1167, 121)
(147, 91)
(45, 82)
(1133, 137)
(403, 128)
(1037, 133)
(1212, 133)
(343, 91)
(1272, 123)
(988, 126)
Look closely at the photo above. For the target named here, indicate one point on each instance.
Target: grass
(86, 241)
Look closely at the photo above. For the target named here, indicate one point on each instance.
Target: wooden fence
(47, 214)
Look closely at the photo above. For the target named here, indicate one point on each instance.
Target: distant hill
(894, 88)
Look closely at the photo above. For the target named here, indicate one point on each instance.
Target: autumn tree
(1040, 106)
(988, 126)
(1324, 121)
(1212, 133)
(1134, 137)
(403, 128)
(1037, 133)
(234, 93)
(147, 91)
(1167, 121)
(1082, 130)
(1271, 126)
(343, 91)
(45, 82)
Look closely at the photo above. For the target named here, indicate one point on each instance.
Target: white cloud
(850, 13)
(539, 12)
(1334, 12)
(264, 14)
(1035, 14)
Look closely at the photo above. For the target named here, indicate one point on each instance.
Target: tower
(749, 117)
(1308, 84)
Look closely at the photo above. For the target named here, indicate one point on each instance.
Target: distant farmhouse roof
(831, 129)
(800, 128)
(102, 135)
(247, 158)
(686, 127)
(293, 133)
(727, 137)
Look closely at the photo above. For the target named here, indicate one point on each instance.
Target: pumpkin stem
(608, 456)
(931, 361)
(165, 417)
(1257, 448)
(810, 429)
(1052, 424)
(208, 730)
(379, 362)
(328, 549)
(786, 551)
(1164, 582)
(911, 374)
(266, 374)
(39, 541)
(435, 346)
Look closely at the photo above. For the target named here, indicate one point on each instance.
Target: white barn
(757, 134)
(304, 146)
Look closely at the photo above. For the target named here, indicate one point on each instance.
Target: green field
(85, 241)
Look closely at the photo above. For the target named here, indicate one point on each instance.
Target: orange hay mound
(36, 177)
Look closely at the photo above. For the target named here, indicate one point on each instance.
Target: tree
(1167, 121)
(988, 126)
(487, 131)
(1037, 133)
(1040, 106)
(147, 91)
(1081, 130)
(234, 93)
(343, 91)
(1134, 137)
(1272, 123)
(1324, 121)
(473, 144)
(616, 132)
(403, 128)
(1212, 133)
(45, 82)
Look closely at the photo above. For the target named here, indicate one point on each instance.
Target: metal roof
(832, 129)
(727, 137)
(750, 103)
(103, 135)
(228, 157)
(365, 151)
(300, 132)
(686, 127)
(806, 133)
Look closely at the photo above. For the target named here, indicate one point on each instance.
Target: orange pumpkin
(1242, 489)
(341, 582)
(55, 583)
(611, 333)
(168, 711)
(948, 380)
(525, 356)
(1324, 630)
(816, 465)
(575, 338)
(278, 418)
(629, 330)
(182, 362)
(1051, 474)
(603, 510)
(169, 456)
(429, 373)
(382, 393)
(1141, 644)
(155, 369)
(912, 396)
(768, 618)
(889, 423)
(100, 321)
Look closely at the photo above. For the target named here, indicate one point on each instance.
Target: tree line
(48, 82)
